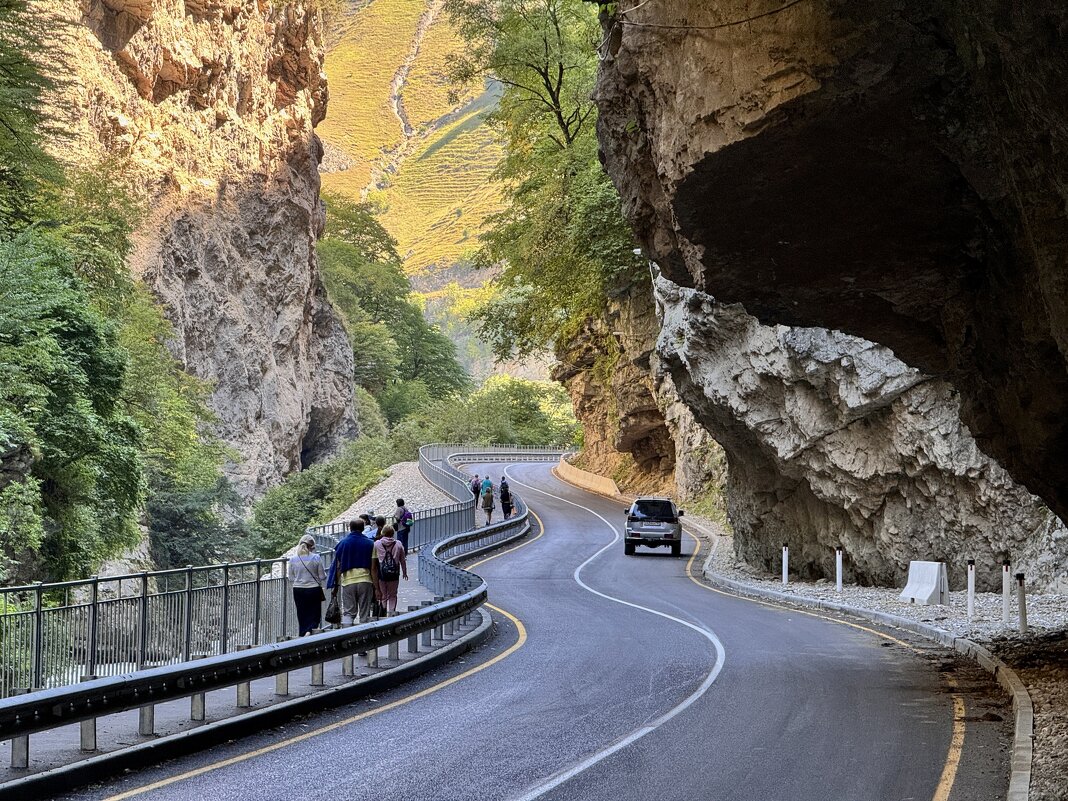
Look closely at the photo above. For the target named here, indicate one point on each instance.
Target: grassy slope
(437, 200)
(360, 67)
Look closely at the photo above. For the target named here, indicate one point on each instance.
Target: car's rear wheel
(628, 548)
(676, 549)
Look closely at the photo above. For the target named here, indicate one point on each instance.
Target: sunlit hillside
(387, 68)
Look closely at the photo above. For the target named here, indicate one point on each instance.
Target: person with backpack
(475, 486)
(506, 498)
(487, 501)
(403, 519)
(392, 564)
(353, 575)
(307, 577)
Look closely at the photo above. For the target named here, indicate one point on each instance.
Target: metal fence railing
(53, 635)
(56, 634)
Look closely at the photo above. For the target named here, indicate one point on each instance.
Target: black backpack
(388, 567)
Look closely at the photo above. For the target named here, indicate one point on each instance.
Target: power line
(624, 21)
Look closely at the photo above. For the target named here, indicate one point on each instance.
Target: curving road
(624, 678)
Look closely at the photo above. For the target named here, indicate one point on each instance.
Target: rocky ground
(404, 481)
(1040, 657)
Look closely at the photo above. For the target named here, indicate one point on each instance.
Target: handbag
(333, 610)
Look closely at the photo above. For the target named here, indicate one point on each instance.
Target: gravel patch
(1040, 657)
(404, 481)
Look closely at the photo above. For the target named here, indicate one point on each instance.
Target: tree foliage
(561, 239)
(96, 416)
(392, 342)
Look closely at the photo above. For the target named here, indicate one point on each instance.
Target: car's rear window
(656, 510)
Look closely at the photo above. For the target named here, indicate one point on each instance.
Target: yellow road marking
(956, 741)
(267, 749)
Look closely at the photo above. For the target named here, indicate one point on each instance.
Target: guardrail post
(224, 614)
(188, 613)
(244, 688)
(146, 720)
(1021, 601)
(348, 665)
(88, 728)
(20, 746)
(785, 564)
(142, 633)
(413, 640)
(971, 589)
(281, 680)
(317, 679)
(38, 637)
(426, 635)
(838, 568)
(197, 702)
(393, 651)
(439, 630)
(90, 657)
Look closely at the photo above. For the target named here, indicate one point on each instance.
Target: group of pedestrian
(484, 490)
(368, 566)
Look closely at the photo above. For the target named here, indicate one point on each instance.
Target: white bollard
(971, 589)
(785, 564)
(1021, 600)
(1006, 588)
(838, 568)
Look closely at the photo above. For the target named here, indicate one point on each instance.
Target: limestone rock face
(897, 171)
(209, 108)
(637, 430)
(831, 440)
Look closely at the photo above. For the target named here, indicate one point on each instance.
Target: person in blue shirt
(355, 573)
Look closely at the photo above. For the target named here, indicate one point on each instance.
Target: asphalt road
(624, 678)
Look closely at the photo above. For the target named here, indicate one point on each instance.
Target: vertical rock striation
(832, 440)
(209, 107)
(896, 171)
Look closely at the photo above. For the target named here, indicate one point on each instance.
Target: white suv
(653, 522)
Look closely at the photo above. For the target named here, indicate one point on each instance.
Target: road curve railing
(458, 594)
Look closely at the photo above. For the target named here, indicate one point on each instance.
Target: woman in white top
(308, 579)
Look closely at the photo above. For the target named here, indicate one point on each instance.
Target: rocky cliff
(209, 108)
(896, 171)
(636, 428)
(832, 440)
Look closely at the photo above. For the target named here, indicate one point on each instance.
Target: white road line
(566, 775)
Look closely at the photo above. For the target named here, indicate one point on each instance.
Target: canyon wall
(636, 428)
(831, 440)
(207, 107)
(894, 171)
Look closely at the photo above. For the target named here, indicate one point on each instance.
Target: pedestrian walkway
(61, 746)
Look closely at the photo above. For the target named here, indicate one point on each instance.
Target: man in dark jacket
(354, 571)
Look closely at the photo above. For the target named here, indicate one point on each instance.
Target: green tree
(24, 165)
(562, 238)
(391, 339)
(61, 376)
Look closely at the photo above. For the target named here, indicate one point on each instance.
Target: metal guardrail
(54, 634)
(460, 591)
